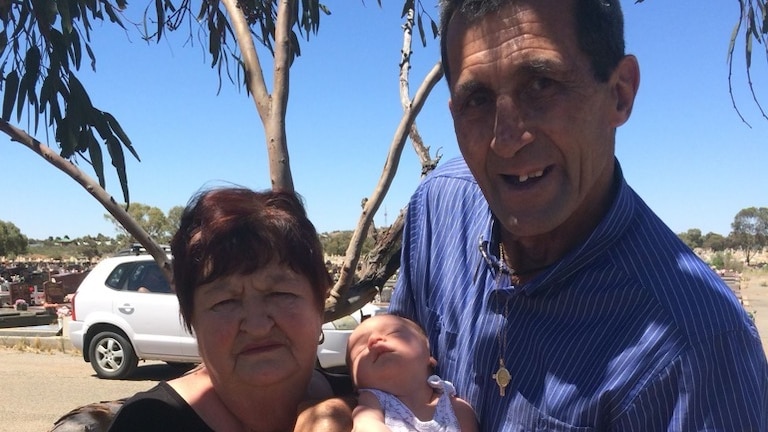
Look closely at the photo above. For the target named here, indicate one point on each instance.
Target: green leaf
(10, 89)
(112, 15)
(420, 25)
(66, 18)
(734, 36)
(765, 19)
(100, 123)
(118, 130)
(23, 86)
(82, 145)
(169, 6)
(214, 41)
(65, 138)
(78, 94)
(203, 11)
(22, 20)
(118, 161)
(32, 66)
(408, 5)
(46, 91)
(32, 59)
(752, 27)
(54, 112)
(76, 49)
(97, 160)
(160, 18)
(91, 56)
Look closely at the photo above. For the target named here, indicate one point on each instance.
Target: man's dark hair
(599, 28)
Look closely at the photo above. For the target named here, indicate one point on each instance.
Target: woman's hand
(329, 415)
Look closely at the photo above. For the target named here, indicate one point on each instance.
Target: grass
(38, 345)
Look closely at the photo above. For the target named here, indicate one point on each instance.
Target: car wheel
(112, 356)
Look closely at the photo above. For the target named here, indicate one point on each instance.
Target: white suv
(124, 311)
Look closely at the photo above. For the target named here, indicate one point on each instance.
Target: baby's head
(384, 347)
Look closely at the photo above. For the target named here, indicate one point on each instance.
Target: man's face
(532, 122)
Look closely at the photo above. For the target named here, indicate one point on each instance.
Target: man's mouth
(525, 179)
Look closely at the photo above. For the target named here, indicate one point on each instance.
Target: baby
(389, 360)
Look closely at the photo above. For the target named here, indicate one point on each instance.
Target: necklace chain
(502, 375)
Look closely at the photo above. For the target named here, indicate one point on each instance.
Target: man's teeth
(524, 178)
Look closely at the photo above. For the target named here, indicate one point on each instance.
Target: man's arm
(719, 384)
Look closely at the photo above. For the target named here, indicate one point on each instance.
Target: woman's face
(258, 329)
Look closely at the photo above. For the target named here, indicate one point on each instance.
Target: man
(553, 297)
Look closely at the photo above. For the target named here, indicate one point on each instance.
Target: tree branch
(277, 141)
(253, 72)
(101, 195)
(374, 202)
(422, 151)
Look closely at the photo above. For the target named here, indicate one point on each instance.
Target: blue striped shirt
(630, 331)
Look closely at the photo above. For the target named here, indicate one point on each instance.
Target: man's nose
(510, 132)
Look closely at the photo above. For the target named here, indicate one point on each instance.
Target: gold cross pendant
(502, 377)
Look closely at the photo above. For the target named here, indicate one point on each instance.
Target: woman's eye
(283, 297)
(225, 304)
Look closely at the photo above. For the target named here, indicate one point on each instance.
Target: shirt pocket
(442, 342)
(522, 416)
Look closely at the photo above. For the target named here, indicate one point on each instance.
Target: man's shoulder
(684, 285)
(455, 168)
(451, 178)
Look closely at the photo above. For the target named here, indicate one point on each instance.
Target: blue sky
(684, 150)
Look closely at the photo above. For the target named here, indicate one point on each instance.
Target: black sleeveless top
(161, 409)
(158, 409)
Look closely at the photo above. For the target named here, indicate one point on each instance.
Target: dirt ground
(754, 293)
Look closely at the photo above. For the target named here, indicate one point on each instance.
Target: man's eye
(541, 84)
(476, 100)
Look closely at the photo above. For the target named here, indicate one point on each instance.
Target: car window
(147, 277)
(115, 279)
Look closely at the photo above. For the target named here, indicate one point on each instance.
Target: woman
(251, 282)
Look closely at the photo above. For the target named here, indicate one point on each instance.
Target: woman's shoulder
(160, 408)
(162, 393)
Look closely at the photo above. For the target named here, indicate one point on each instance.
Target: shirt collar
(610, 229)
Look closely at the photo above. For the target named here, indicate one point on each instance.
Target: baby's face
(385, 347)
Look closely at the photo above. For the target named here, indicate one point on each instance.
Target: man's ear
(625, 80)
(432, 362)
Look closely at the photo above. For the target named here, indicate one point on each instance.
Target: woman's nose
(257, 318)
